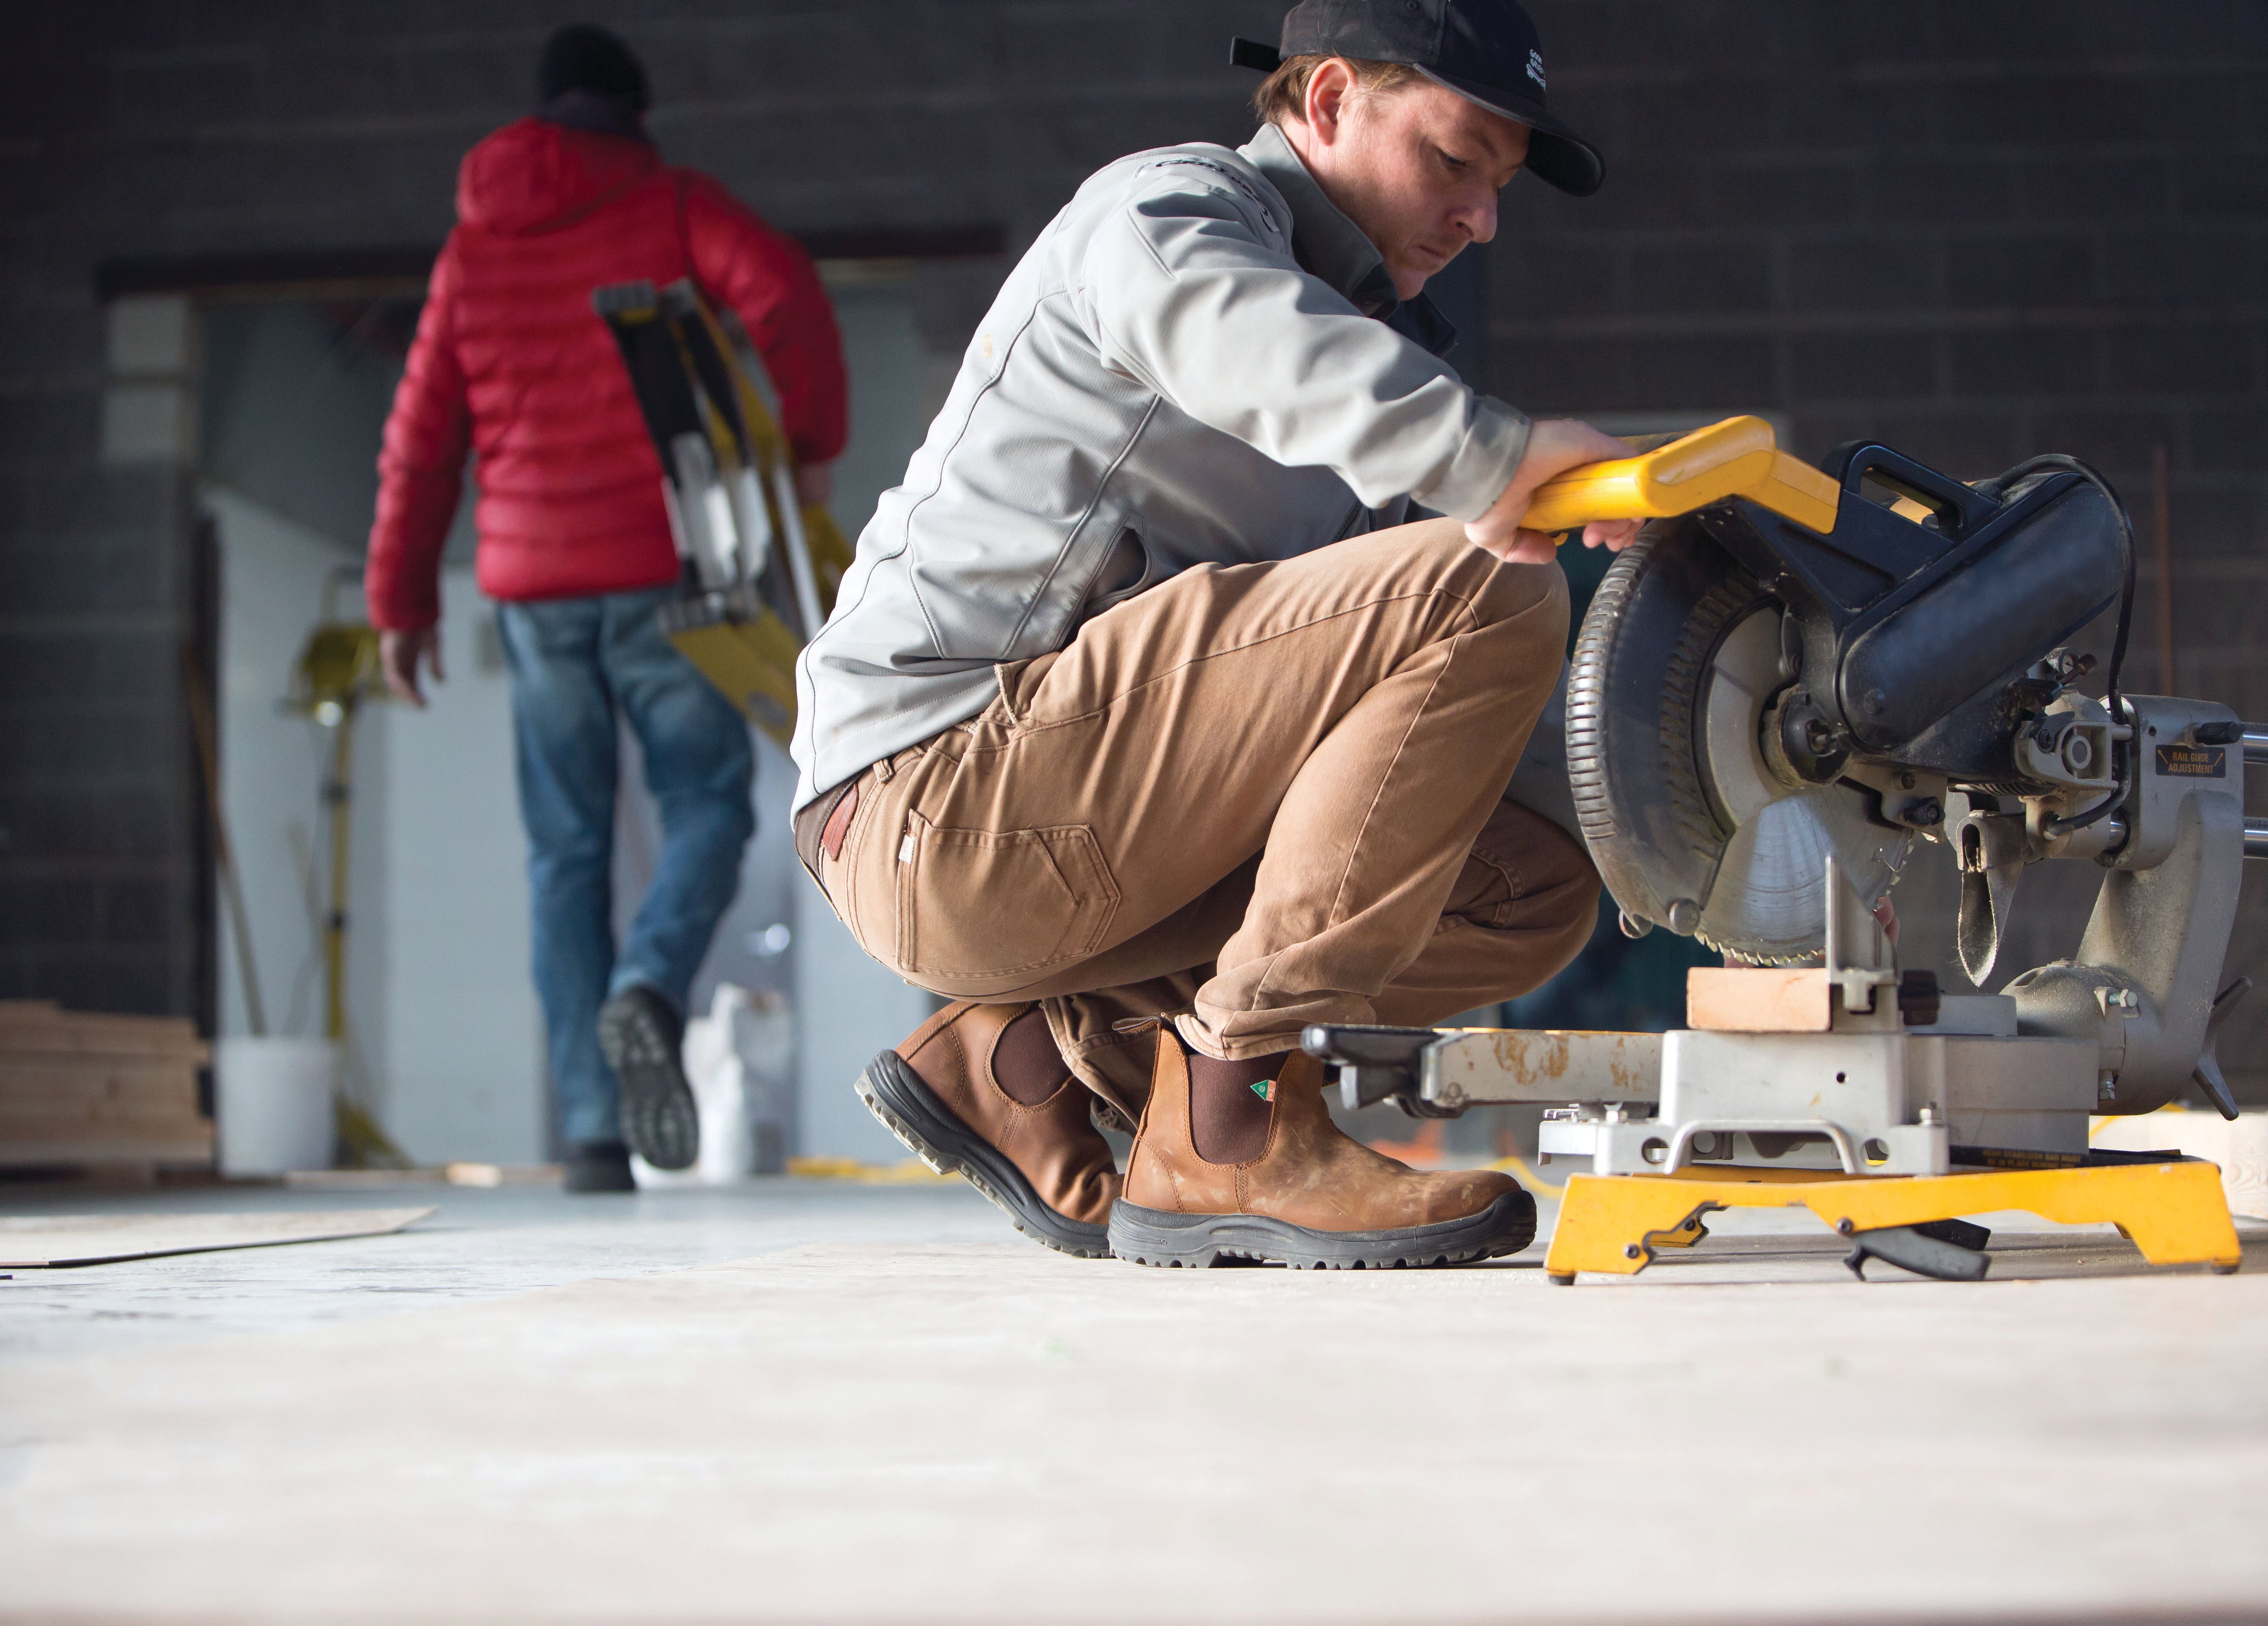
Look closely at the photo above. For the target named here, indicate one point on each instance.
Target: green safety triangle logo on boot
(1265, 1089)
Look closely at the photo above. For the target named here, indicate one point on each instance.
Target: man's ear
(1328, 89)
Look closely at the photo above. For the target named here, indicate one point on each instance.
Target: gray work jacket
(1200, 361)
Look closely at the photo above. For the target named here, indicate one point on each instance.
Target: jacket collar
(1331, 248)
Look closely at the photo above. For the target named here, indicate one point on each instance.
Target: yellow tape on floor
(912, 1172)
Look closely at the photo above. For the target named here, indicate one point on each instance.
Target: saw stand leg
(2174, 1213)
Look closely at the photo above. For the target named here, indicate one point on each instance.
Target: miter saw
(1794, 681)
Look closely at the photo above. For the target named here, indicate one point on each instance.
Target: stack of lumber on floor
(100, 1091)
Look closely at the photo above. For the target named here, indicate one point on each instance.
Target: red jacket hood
(532, 174)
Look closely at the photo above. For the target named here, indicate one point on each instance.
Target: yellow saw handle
(1740, 457)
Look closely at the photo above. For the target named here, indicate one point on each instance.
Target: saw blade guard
(1691, 826)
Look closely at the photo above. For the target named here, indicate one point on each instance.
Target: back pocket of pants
(975, 906)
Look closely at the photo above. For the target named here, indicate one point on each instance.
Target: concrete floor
(813, 1401)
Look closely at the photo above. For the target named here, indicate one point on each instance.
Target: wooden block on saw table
(1758, 999)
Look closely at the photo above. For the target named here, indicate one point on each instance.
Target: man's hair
(1283, 94)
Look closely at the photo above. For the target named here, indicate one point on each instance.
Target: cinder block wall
(1977, 228)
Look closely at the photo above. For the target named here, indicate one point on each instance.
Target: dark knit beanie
(583, 56)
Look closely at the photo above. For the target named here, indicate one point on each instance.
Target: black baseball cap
(1486, 50)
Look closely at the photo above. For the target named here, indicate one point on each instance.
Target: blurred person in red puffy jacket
(512, 365)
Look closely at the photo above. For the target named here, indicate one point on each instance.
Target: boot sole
(1149, 1236)
(933, 1132)
(659, 1120)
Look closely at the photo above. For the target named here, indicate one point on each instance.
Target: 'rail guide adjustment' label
(2194, 761)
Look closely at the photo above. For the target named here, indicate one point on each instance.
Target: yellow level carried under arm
(1740, 457)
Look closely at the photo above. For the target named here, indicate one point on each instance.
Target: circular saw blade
(1768, 901)
(1678, 659)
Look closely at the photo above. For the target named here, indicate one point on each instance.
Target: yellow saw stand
(2174, 1213)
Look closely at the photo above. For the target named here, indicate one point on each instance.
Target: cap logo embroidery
(1536, 69)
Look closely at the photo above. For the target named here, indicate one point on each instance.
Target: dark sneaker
(643, 1037)
(598, 1165)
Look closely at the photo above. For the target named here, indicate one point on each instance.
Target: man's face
(1419, 169)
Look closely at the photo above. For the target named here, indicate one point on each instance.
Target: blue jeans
(576, 664)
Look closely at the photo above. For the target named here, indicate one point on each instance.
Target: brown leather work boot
(1044, 1164)
(1315, 1197)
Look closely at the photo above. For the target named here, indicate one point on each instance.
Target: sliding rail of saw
(1845, 1088)
(758, 569)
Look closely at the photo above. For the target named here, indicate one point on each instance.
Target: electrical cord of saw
(2060, 462)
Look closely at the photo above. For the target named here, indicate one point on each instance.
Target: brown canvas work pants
(1253, 798)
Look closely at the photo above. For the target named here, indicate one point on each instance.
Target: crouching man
(1143, 713)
